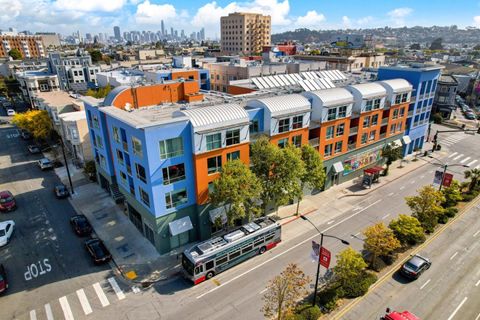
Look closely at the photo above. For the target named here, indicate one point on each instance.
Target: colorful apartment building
(164, 158)
(29, 46)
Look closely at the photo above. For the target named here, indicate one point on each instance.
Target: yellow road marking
(216, 282)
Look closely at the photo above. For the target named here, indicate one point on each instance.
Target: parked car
(6, 231)
(80, 225)
(470, 115)
(3, 279)
(7, 201)
(26, 135)
(45, 164)
(415, 266)
(61, 191)
(33, 149)
(10, 112)
(98, 251)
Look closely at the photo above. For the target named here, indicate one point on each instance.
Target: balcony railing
(353, 131)
(314, 142)
(352, 146)
(384, 121)
(383, 135)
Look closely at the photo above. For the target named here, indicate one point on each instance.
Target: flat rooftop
(58, 98)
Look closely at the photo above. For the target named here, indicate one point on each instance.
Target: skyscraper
(163, 28)
(172, 33)
(116, 33)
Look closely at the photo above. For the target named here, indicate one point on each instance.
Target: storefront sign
(361, 160)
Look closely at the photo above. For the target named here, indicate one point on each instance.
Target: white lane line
(412, 182)
(478, 166)
(478, 317)
(391, 194)
(423, 286)
(471, 163)
(422, 176)
(48, 311)
(87, 309)
(476, 284)
(33, 315)
(101, 295)
(458, 157)
(458, 308)
(476, 233)
(331, 221)
(453, 255)
(355, 235)
(402, 187)
(465, 160)
(261, 292)
(67, 312)
(116, 288)
(385, 216)
(288, 250)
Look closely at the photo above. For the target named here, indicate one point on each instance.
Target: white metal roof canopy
(180, 226)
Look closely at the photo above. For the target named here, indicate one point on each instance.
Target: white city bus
(213, 256)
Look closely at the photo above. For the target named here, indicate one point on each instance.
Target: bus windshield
(187, 265)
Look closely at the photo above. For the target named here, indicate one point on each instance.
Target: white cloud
(347, 23)
(476, 21)
(10, 9)
(149, 13)
(311, 20)
(398, 15)
(89, 5)
(365, 21)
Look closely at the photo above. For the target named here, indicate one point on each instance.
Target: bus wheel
(262, 250)
(209, 275)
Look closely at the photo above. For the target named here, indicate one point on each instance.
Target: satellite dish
(128, 107)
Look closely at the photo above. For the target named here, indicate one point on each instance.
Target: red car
(3, 279)
(405, 315)
(7, 201)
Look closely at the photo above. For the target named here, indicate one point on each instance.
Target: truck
(395, 315)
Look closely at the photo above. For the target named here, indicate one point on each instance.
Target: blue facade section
(256, 115)
(424, 82)
(204, 77)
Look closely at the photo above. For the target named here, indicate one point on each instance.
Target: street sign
(437, 179)
(447, 179)
(325, 257)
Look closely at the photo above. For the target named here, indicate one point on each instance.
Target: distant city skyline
(188, 15)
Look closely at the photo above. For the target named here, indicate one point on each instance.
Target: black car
(98, 251)
(33, 149)
(80, 225)
(61, 191)
(414, 267)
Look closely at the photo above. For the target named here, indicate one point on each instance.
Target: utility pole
(66, 165)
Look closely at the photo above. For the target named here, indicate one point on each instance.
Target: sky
(94, 16)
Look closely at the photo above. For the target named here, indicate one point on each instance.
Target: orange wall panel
(362, 130)
(323, 137)
(239, 90)
(185, 74)
(303, 131)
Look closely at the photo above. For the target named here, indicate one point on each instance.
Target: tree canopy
(15, 54)
(96, 55)
(474, 176)
(37, 122)
(391, 153)
(452, 194)
(100, 93)
(426, 206)
(350, 265)
(407, 229)
(436, 44)
(379, 241)
(314, 175)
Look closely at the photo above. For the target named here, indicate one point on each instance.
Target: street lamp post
(314, 302)
(445, 167)
(66, 165)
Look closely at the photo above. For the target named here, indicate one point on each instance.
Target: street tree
(350, 265)
(474, 176)
(436, 44)
(96, 55)
(15, 54)
(314, 175)
(37, 122)
(407, 229)
(427, 206)
(452, 194)
(379, 241)
(284, 291)
(238, 190)
(391, 153)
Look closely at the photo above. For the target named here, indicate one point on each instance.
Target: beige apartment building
(245, 33)
(29, 46)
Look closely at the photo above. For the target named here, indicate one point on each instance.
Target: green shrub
(442, 218)
(467, 197)
(307, 312)
(451, 212)
(328, 298)
(358, 286)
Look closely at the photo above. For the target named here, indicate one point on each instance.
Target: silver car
(414, 267)
(45, 164)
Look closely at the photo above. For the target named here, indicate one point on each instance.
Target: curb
(295, 217)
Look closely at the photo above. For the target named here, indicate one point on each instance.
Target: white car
(45, 164)
(6, 230)
(10, 112)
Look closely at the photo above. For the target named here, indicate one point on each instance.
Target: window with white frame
(171, 148)
(297, 141)
(214, 141)
(405, 97)
(282, 143)
(297, 122)
(141, 172)
(232, 137)
(395, 114)
(329, 133)
(340, 129)
(137, 147)
(402, 112)
(372, 135)
(214, 164)
(328, 150)
(398, 98)
(366, 122)
(369, 105)
(364, 138)
(332, 114)
(399, 125)
(173, 173)
(392, 128)
(338, 146)
(376, 104)
(374, 119)
(233, 155)
(174, 199)
(283, 125)
(342, 112)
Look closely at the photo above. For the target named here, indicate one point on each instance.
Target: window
(144, 196)
(297, 122)
(103, 162)
(395, 114)
(402, 112)
(254, 128)
(232, 137)
(364, 138)
(174, 199)
(120, 157)
(342, 112)
(329, 133)
(340, 129)
(368, 105)
(392, 128)
(376, 104)
(221, 260)
(297, 141)
(234, 254)
(214, 164)
(374, 119)
(405, 97)
(398, 98)
(247, 248)
(282, 143)
(233, 155)
(99, 141)
(372, 135)
(332, 114)
(116, 135)
(95, 122)
(137, 147)
(123, 178)
(399, 126)
(328, 150)
(338, 146)
(173, 173)
(171, 148)
(214, 141)
(283, 125)
(211, 187)
(366, 122)
(141, 172)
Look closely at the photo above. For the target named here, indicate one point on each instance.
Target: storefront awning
(218, 213)
(338, 167)
(406, 140)
(179, 226)
(373, 170)
(397, 143)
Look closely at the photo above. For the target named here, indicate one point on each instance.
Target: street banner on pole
(315, 251)
(325, 257)
(437, 179)
(447, 179)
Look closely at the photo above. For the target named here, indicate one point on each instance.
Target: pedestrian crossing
(452, 139)
(462, 159)
(82, 302)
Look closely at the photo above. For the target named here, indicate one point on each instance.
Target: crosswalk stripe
(116, 288)
(67, 312)
(458, 157)
(101, 295)
(478, 166)
(48, 311)
(471, 163)
(33, 315)
(453, 154)
(465, 160)
(87, 309)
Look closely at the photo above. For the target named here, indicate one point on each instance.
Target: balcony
(383, 135)
(384, 121)
(314, 142)
(352, 146)
(353, 131)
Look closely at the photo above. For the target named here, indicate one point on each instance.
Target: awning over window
(406, 140)
(373, 170)
(338, 167)
(218, 213)
(397, 143)
(179, 226)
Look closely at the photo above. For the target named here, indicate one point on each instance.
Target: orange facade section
(190, 75)
(369, 125)
(239, 90)
(16, 42)
(397, 119)
(159, 93)
(202, 175)
(330, 133)
(303, 132)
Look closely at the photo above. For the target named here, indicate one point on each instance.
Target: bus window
(258, 242)
(222, 260)
(209, 265)
(247, 248)
(269, 237)
(199, 269)
(234, 254)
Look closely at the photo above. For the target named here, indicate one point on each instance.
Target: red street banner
(325, 257)
(447, 179)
